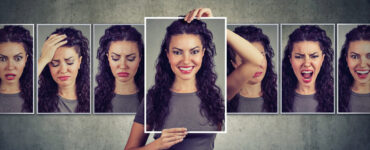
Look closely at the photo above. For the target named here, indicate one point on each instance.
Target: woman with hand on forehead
(307, 71)
(354, 66)
(184, 93)
(64, 76)
(16, 80)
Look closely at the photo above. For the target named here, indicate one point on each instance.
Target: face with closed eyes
(13, 59)
(64, 66)
(124, 60)
(358, 60)
(185, 54)
(306, 59)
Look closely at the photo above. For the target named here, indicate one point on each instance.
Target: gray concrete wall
(108, 132)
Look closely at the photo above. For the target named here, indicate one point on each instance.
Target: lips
(186, 69)
(64, 78)
(257, 74)
(307, 75)
(123, 74)
(362, 74)
(10, 76)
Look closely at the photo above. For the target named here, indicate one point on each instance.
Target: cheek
(198, 60)
(112, 65)
(295, 64)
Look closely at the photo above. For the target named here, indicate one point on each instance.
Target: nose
(123, 64)
(363, 62)
(63, 68)
(186, 58)
(11, 64)
(307, 61)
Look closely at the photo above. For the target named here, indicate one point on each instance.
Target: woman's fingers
(174, 130)
(197, 13)
(56, 39)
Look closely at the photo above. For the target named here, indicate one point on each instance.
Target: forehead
(11, 48)
(65, 52)
(185, 41)
(306, 47)
(259, 46)
(359, 47)
(123, 47)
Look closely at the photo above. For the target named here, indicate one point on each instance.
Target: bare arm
(48, 49)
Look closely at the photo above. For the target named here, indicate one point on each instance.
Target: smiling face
(13, 59)
(358, 60)
(306, 59)
(64, 66)
(124, 60)
(185, 54)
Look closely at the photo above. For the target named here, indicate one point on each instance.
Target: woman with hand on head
(184, 93)
(121, 70)
(64, 76)
(354, 66)
(16, 80)
(307, 71)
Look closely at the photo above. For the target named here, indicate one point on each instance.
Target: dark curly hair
(268, 86)
(361, 32)
(21, 35)
(48, 88)
(159, 95)
(324, 82)
(104, 92)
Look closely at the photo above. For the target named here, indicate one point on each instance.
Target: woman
(184, 88)
(307, 71)
(354, 65)
(121, 70)
(258, 93)
(16, 53)
(64, 85)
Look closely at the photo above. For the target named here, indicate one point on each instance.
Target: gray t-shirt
(11, 102)
(305, 103)
(125, 103)
(184, 111)
(67, 105)
(359, 102)
(247, 104)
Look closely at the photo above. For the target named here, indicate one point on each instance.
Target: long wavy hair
(48, 88)
(346, 79)
(324, 82)
(211, 106)
(268, 86)
(104, 92)
(21, 35)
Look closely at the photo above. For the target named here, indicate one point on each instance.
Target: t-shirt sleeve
(139, 117)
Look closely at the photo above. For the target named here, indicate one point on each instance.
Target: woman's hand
(198, 12)
(170, 137)
(48, 49)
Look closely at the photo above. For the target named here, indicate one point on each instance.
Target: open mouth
(257, 74)
(186, 69)
(10, 76)
(307, 75)
(63, 78)
(362, 73)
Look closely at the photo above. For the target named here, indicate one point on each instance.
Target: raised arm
(48, 49)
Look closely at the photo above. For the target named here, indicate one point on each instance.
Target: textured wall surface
(108, 132)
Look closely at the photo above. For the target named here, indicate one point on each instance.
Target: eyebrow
(132, 54)
(64, 59)
(354, 53)
(304, 54)
(177, 49)
(116, 54)
(14, 55)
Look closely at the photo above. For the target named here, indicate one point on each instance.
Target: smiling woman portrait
(64, 74)
(16, 65)
(307, 71)
(354, 66)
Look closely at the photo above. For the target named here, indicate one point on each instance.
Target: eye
(354, 56)
(368, 55)
(131, 58)
(18, 58)
(193, 52)
(115, 58)
(54, 63)
(314, 56)
(176, 52)
(298, 56)
(3, 59)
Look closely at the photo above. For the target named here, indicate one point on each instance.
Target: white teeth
(363, 72)
(306, 71)
(185, 69)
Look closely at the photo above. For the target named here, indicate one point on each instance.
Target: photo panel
(307, 68)
(185, 58)
(118, 68)
(353, 60)
(17, 68)
(64, 58)
(265, 77)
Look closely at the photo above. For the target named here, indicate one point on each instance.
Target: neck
(251, 90)
(9, 88)
(68, 92)
(361, 88)
(184, 86)
(125, 88)
(306, 89)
